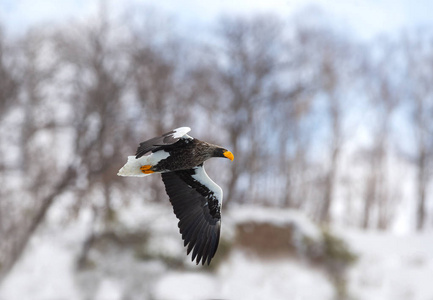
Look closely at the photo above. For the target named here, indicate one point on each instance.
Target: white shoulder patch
(202, 177)
(181, 132)
(154, 158)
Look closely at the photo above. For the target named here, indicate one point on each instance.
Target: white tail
(132, 166)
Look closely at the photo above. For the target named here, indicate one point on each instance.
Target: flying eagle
(196, 199)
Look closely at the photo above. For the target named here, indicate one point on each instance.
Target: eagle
(196, 199)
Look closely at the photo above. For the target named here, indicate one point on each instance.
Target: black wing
(196, 201)
(157, 143)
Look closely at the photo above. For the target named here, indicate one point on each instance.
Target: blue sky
(366, 18)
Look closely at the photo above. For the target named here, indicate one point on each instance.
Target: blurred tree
(291, 122)
(100, 74)
(159, 67)
(34, 142)
(419, 94)
(9, 88)
(8, 84)
(336, 64)
(249, 68)
(382, 89)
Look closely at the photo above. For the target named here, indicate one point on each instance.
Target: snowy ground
(389, 267)
(243, 277)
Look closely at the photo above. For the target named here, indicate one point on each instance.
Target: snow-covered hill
(388, 266)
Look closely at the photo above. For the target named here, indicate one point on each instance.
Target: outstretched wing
(157, 143)
(196, 201)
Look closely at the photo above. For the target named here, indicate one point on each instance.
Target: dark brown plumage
(186, 154)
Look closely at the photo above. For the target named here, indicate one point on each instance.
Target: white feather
(181, 132)
(202, 177)
(132, 166)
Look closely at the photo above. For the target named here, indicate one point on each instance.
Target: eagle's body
(196, 199)
(184, 154)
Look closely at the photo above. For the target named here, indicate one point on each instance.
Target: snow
(109, 290)
(244, 277)
(188, 286)
(389, 266)
(44, 272)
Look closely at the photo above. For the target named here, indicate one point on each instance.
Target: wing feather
(207, 247)
(196, 201)
(158, 143)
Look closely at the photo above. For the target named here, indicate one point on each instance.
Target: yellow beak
(229, 155)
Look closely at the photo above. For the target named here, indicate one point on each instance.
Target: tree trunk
(421, 213)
